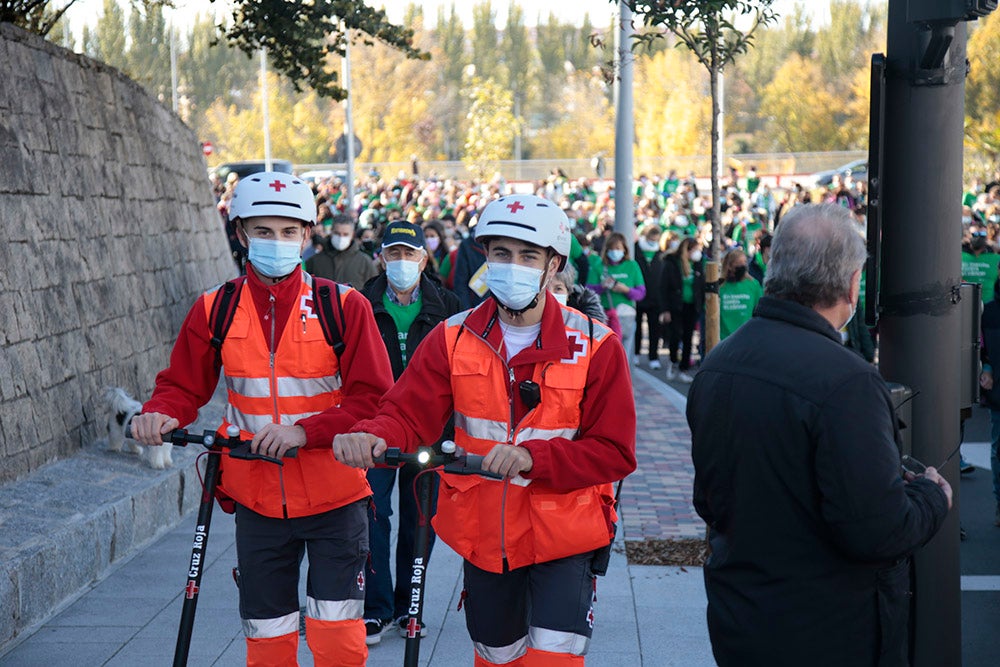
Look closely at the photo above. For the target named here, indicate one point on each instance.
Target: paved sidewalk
(647, 616)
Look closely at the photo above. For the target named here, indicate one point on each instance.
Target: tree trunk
(711, 332)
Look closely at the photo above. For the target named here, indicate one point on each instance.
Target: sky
(87, 11)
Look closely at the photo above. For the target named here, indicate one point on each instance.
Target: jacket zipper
(511, 428)
(274, 400)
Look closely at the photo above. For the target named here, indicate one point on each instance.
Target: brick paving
(656, 498)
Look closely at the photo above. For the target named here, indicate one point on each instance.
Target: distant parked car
(243, 169)
(323, 174)
(858, 169)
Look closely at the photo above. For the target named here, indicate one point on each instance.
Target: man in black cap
(407, 303)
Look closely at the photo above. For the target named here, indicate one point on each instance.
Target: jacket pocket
(565, 524)
(893, 609)
(457, 518)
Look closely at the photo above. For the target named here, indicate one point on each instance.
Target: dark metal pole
(921, 269)
(196, 567)
(418, 575)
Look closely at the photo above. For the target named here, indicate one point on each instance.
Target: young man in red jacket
(543, 392)
(287, 389)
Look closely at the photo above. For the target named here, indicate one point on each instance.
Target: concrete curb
(66, 526)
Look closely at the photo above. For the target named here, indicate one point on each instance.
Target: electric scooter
(237, 449)
(450, 462)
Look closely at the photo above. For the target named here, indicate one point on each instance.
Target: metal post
(624, 128)
(722, 125)
(920, 326)
(264, 109)
(349, 126)
(173, 69)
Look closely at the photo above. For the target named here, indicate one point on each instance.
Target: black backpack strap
(327, 320)
(227, 298)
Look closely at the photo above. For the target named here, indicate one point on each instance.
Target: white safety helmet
(527, 218)
(273, 193)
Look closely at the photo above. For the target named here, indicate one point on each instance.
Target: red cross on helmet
(527, 218)
(273, 193)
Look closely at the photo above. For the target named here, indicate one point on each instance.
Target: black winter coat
(990, 352)
(437, 305)
(652, 272)
(797, 475)
(671, 286)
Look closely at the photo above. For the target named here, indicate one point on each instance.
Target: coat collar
(795, 314)
(551, 344)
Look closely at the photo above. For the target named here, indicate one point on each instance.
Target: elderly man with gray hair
(797, 470)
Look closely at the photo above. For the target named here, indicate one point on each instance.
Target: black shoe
(375, 628)
(964, 467)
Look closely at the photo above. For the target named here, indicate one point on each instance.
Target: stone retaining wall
(107, 234)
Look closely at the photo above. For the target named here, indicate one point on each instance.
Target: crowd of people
(535, 382)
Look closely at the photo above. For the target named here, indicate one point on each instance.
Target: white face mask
(695, 255)
(648, 246)
(341, 242)
(402, 274)
(616, 255)
(272, 258)
(562, 298)
(512, 284)
(673, 245)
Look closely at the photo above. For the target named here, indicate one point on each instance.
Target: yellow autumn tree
(586, 126)
(391, 101)
(673, 112)
(492, 127)
(297, 127)
(982, 91)
(799, 109)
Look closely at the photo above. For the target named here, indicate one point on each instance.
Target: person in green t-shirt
(620, 285)
(979, 264)
(738, 295)
(407, 302)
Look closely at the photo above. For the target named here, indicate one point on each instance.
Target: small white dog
(121, 409)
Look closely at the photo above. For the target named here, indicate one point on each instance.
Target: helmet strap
(516, 313)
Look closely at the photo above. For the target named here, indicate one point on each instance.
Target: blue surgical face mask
(402, 274)
(616, 256)
(274, 259)
(513, 285)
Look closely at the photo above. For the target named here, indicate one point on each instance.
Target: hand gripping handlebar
(238, 449)
(449, 461)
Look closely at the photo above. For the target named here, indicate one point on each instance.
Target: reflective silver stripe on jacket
(265, 628)
(580, 323)
(501, 655)
(334, 610)
(254, 423)
(556, 641)
(287, 386)
(482, 429)
(532, 433)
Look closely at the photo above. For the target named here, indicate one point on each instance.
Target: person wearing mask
(979, 263)
(437, 249)
(565, 289)
(650, 260)
(408, 303)
(797, 471)
(287, 389)
(738, 294)
(342, 260)
(682, 293)
(620, 285)
(544, 394)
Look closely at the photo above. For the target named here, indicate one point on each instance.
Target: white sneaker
(671, 371)
(684, 377)
(654, 365)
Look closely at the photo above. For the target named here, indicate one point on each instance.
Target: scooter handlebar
(238, 449)
(456, 464)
